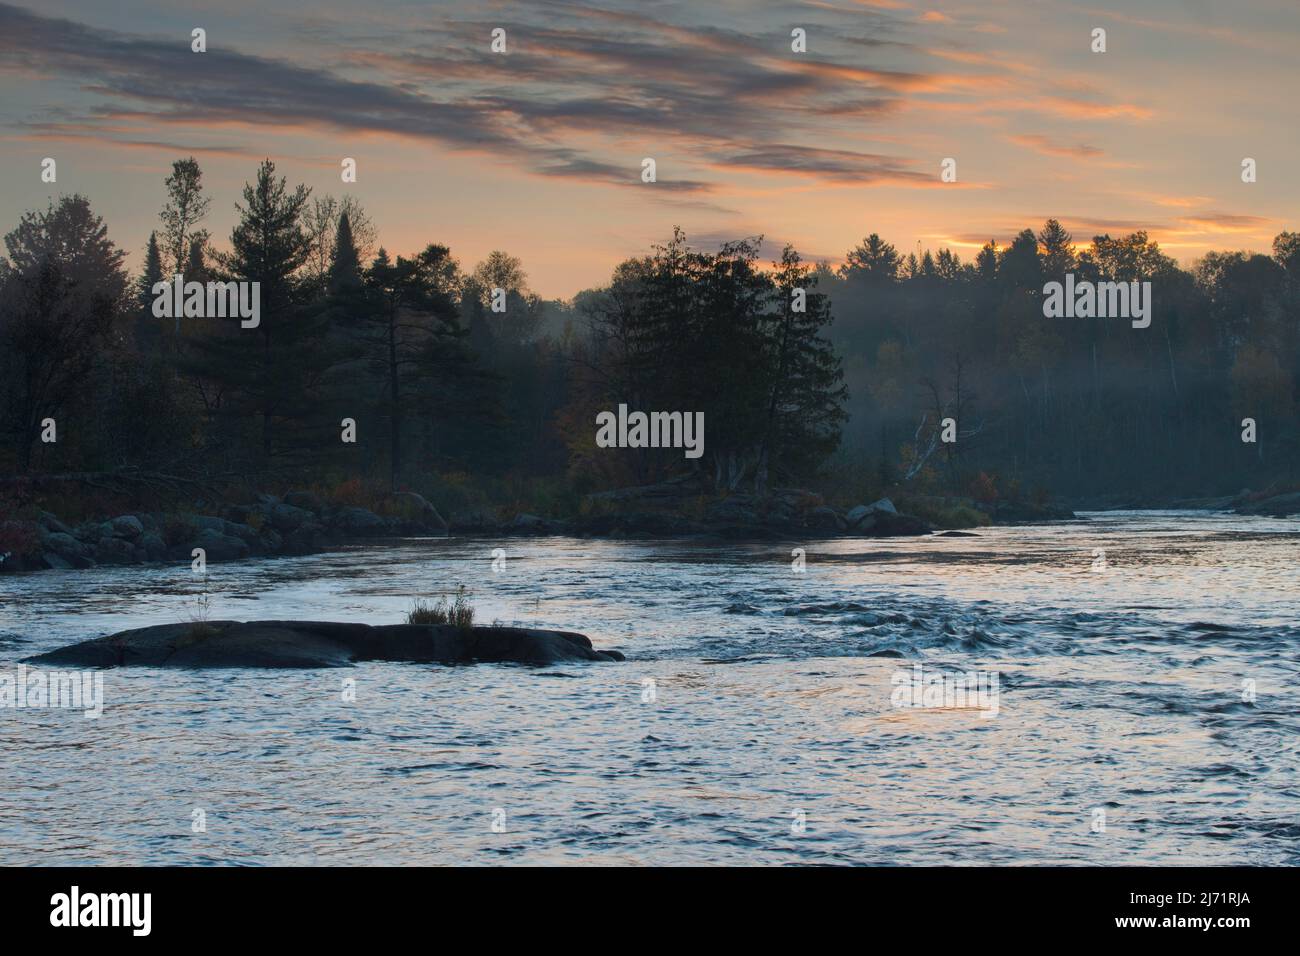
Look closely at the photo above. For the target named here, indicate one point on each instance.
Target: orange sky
(538, 151)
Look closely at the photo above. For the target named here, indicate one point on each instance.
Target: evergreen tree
(1055, 250)
(412, 317)
(271, 373)
(149, 329)
(345, 266)
(806, 391)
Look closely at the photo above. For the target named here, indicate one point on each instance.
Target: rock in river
(322, 644)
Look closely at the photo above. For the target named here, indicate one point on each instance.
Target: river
(1146, 666)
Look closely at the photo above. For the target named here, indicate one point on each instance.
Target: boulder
(638, 524)
(322, 644)
(896, 525)
(857, 514)
(525, 523)
(733, 510)
(883, 504)
(66, 549)
(470, 520)
(1278, 506)
(221, 547)
(286, 517)
(64, 545)
(359, 521)
(51, 523)
(304, 539)
(306, 501)
(110, 550)
(412, 513)
(126, 526)
(825, 518)
(270, 540)
(155, 548)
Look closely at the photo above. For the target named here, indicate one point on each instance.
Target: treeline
(466, 386)
(462, 384)
(1082, 406)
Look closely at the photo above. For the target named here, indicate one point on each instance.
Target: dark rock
(306, 501)
(733, 510)
(798, 499)
(892, 525)
(322, 644)
(639, 524)
(472, 520)
(221, 547)
(413, 514)
(126, 526)
(155, 548)
(114, 551)
(52, 524)
(359, 521)
(1278, 506)
(825, 518)
(64, 545)
(529, 524)
(286, 517)
(668, 494)
(305, 539)
(1023, 512)
(957, 534)
(857, 514)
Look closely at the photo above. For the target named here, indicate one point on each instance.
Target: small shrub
(459, 611)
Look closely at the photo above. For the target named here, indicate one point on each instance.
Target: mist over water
(1121, 689)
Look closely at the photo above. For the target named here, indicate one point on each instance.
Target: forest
(464, 385)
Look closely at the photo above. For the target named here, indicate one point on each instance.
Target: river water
(1146, 666)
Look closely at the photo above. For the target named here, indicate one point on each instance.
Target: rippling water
(1121, 689)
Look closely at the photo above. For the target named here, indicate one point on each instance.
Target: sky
(538, 151)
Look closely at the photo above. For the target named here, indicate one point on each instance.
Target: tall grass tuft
(459, 611)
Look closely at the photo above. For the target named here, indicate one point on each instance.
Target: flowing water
(1146, 668)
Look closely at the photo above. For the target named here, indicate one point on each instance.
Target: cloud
(835, 165)
(1052, 147)
(619, 86)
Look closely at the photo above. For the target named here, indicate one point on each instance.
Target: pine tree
(806, 392)
(873, 259)
(345, 266)
(412, 316)
(196, 269)
(1055, 250)
(148, 329)
(270, 374)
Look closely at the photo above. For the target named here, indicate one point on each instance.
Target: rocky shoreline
(303, 523)
(273, 644)
(300, 523)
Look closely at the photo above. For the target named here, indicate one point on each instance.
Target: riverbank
(302, 522)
